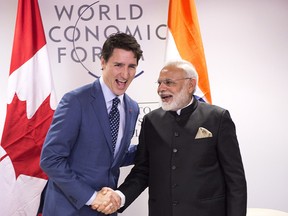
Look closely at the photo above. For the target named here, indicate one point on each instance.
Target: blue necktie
(114, 118)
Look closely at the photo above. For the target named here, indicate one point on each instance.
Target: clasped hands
(107, 201)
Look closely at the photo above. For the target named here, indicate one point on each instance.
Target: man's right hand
(107, 201)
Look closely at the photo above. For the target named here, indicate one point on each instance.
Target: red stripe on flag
(184, 27)
(29, 34)
(28, 117)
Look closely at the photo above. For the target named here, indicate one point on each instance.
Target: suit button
(175, 202)
(176, 134)
(175, 150)
(173, 167)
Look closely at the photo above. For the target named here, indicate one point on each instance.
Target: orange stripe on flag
(184, 27)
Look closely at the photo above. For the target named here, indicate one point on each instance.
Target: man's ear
(192, 85)
(103, 63)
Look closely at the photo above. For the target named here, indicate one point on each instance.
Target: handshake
(107, 201)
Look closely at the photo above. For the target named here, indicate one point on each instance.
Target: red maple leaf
(23, 138)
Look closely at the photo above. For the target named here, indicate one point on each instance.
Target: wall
(246, 50)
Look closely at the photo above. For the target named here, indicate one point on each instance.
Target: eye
(168, 82)
(132, 66)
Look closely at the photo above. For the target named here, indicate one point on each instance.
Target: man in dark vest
(188, 154)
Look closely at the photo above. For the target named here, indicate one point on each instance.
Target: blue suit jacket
(77, 154)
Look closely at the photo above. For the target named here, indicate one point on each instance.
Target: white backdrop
(246, 51)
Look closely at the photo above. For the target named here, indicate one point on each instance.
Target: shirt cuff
(122, 196)
(90, 201)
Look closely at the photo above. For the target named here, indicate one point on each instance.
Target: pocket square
(203, 133)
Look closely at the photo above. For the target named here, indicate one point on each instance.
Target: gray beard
(179, 101)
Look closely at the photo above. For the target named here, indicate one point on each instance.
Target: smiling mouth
(121, 82)
(165, 97)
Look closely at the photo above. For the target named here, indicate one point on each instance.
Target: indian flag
(184, 41)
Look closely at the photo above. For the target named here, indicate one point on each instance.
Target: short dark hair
(121, 41)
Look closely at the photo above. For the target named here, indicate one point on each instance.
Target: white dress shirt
(109, 96)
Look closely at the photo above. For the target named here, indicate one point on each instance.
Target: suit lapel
(125, 139)
(99, 106)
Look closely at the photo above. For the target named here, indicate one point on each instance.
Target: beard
(180, 100)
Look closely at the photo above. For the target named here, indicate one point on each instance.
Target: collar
(108, 94)
(179, 111)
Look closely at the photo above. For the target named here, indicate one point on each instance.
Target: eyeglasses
(170, 82)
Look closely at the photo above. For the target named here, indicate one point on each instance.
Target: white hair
(186, 66)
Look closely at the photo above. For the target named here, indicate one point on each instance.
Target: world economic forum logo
(77, 31)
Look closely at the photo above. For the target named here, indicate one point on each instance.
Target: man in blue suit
(77, 155)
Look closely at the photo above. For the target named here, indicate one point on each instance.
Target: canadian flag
(30, 107)
(184, 41)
